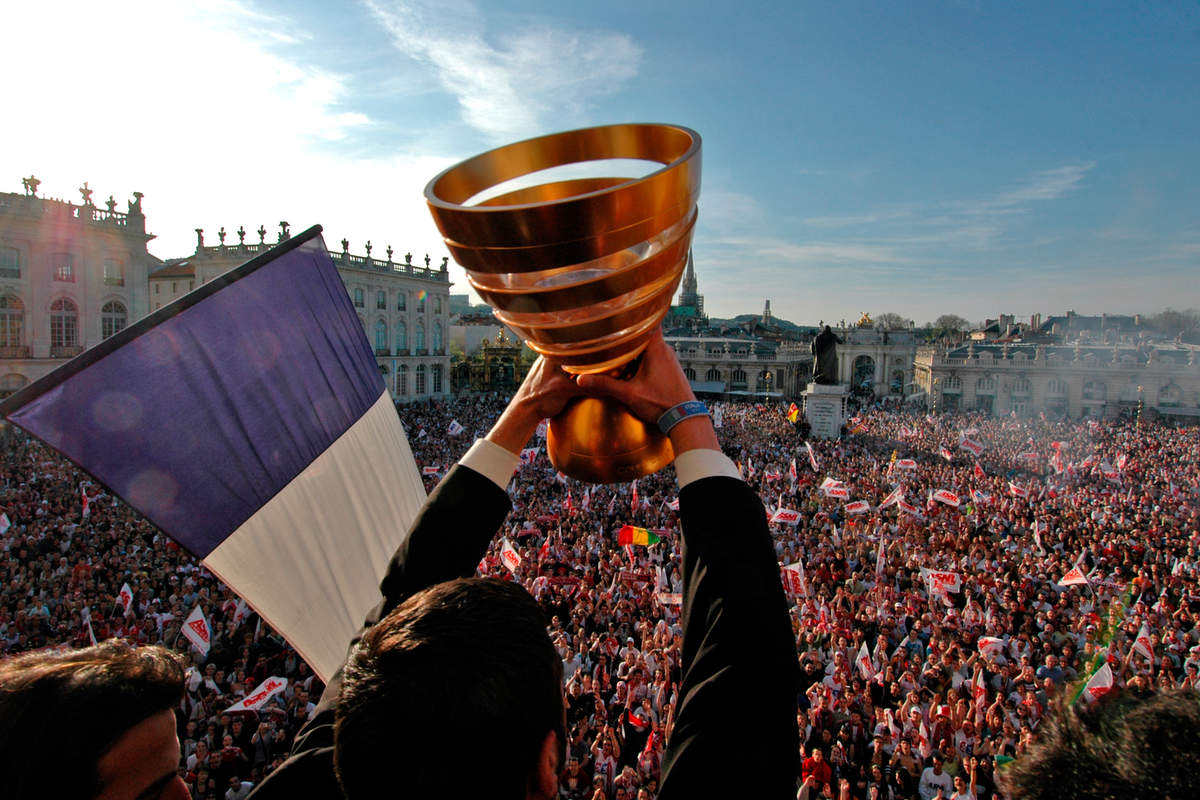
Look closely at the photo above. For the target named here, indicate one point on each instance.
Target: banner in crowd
(509, 556)
(947, 497)
(195, 630)
(971, 446)
(629, 534)
(248, 420)
(940, 581)
(260, 695)
(787, 516)
(857, 507)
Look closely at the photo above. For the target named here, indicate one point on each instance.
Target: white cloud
(508, 82)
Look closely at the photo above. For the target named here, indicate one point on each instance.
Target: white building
(71, 275)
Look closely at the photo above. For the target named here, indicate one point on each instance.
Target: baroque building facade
(1071, 380)
(404, 307)
(743, 367)
(71, 275)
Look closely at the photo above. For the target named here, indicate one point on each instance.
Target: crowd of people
(949, 576)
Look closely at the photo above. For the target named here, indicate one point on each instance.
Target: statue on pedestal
(824, 350)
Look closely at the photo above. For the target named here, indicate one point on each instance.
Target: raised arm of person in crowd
(447, 540)
(735, 727)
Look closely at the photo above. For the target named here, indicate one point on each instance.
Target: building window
(381, 337)
(985, 385)
(157, 288)
(713, 374)
(358, 298)
(112, 319)
(437, 378)
(381, 300)
(401, 337)
(64, 324)
(421, 303)
(420, 380)
(689, 373)
(1057, 387)
(401, 301)
(62, 265)
(12, 321)
(12, 383)
(419, 339)
(437, 304)
(437, 337)
(1022, 387)
(402, 380)
(1094, 390)
(114, 272)
(10, 262)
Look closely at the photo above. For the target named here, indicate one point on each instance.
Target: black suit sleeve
(735, 728)
(447, 540)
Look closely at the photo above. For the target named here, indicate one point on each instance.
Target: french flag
(248, 420)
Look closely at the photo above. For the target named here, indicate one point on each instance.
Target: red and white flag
(947, 497)
(1142, 643)
(906, 463)
(1017, 491)
(432, 469)
(866, 667)
(1122, 460)
(1100, 684)
(945, 453)
(979, 473)
(970, 445)
(455, 428)
(941, 581)
(542, 427)
(857, 507)
(991, 646)
(196, 630)
(125, 599)
(528, 456)
(87, 502)
(509, 556)
(980, 497)
(635, 502)
(895, 496)
(257, 698)
(829, 483)
(1074, 577)
(1090, 461)
(840, 492)
(791, 473)
(786, 516)
(812, 458)
(879, 562)
(794, 580)
(908, 508)
(772, 475)
(241, 612)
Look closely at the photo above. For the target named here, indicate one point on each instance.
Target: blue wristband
(677, 414)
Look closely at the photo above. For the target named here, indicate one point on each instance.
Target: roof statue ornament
(135, 206)
(865, 320)
(368, 246)
(445, 263)
(427, 261)
(111, 203)
(241, 232)
(262, 234)
(389, 252)
(408, 259)
(221, 235)
(199, 239)
(31, 185)
(87, 194)
(284, 233)
(345, 245)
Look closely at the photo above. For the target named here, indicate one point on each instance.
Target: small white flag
(196, 630)
(1101, 683)
(1074, 578)
(125, 598)
(455, 428)
(865, 666)
(1142, 643)
(509, 555)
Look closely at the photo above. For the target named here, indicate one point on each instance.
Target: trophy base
(598, 440)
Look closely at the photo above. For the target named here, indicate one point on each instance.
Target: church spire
(688, 295)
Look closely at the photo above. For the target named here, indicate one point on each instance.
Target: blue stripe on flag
(202, 414)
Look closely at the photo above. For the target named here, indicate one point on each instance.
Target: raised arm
(735, 725)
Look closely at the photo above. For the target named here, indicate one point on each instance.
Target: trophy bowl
(582, 269)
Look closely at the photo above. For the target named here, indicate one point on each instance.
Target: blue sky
(965, 157)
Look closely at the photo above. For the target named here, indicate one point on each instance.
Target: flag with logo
(906, 463)
(857, 507)
(196, 630)
(991, 646)
(1142, 644)
(971, 446)
(812, 457)
(249, 422)
(528, 456)
(1017, 491)
(1100, 684)
(978, 471)
(945, 453)
(794, 579)
(509, 556)
(786, 516)
(866, 667)
(947, 497)
(895, 496)
(259, 696)
(1074, 577)
(86, 502)
(455, 428)
(792, 473)
(125, 599)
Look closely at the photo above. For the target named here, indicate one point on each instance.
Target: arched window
(737, 381)
(64, 324)
(381, 337)
(62, 265)
(953, 382)
(420, 379)
(12, 321)
(437, 337)
(381, 300)
(402, 381)
(1022, 387)
(401, 301)
(713, 374)
(401, 338)
(419, 339)
(112, 318)
(690, 373)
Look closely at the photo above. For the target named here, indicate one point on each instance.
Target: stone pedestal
(825, 410)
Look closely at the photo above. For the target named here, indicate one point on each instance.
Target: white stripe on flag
(310, 561)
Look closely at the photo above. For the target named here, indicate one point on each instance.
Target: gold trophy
(582, 269)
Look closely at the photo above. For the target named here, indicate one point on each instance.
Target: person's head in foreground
(1126, 745)
(92, 723)
(455, 693)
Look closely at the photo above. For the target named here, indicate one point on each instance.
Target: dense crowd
(931, 636)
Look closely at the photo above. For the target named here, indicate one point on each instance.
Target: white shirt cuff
(693, 465)
(491, 461)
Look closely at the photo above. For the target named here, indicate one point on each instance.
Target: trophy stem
(598, 440)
